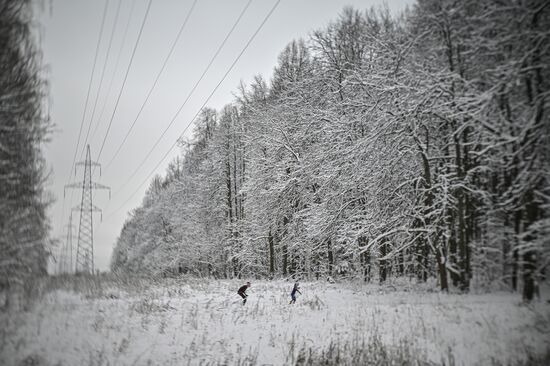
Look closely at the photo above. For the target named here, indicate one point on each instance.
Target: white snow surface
(203, 322)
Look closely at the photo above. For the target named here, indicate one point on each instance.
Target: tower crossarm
(79, 185)
(96, 185)
(94, 208)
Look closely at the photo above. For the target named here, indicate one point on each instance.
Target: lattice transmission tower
(66, 257)
(84, 262)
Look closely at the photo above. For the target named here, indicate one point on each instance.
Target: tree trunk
(401, 263)
(464, 283)
(330, 257)
(530, 257)
(515, 258)
(285, 259)
(442, 268)
(364, 259)
(452, 257)
(271, 254)
(529, 267)
(292, 268)
(382, 263)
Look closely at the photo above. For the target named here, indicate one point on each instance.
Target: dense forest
(24, 126)
(415, 145)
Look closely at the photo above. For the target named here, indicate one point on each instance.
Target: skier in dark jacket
(242, 292)
(295, 289)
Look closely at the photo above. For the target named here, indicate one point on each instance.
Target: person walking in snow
(295, 289)
(242, 292)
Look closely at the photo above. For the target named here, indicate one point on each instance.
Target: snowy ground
(203, 322)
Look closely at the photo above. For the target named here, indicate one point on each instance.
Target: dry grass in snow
(203, 322)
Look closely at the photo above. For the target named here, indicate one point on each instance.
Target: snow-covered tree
(24, 126)
(412, 145)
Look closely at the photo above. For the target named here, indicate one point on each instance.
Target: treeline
(24, 126)
(416, 145)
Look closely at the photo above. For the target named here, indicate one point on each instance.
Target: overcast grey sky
(70, 34)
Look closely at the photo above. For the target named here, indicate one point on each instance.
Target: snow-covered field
(203, 322)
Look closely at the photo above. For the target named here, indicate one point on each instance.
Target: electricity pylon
(65, 262)
(85, 248)
(68, 250)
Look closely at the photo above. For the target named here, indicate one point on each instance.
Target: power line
(90, 83)
(102, 76)
(115, 69)
(188, 95)
(204, 104)
(154, 83)
(125, 77)
(87, 98)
